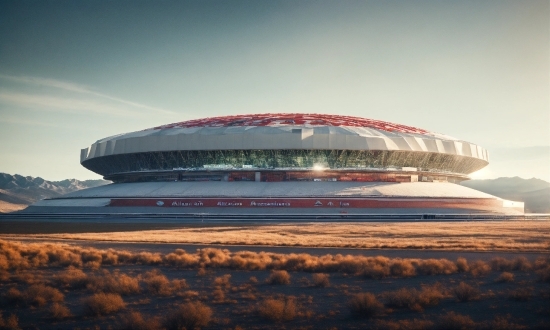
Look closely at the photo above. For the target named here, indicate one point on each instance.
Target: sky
(74, 72)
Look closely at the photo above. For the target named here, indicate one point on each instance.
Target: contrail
(78, 89)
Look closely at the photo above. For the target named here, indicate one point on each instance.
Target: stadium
(283, 164)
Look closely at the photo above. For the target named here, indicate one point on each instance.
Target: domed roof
(294, 119)
(227, 136)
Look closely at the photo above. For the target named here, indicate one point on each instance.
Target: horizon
(73, 73)
(97, 179)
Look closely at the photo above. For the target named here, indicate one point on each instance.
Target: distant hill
(17, 191)
(535, 193)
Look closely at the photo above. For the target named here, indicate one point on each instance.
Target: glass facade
(227, 160)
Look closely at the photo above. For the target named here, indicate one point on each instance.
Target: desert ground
(451, 235)
(430, 275)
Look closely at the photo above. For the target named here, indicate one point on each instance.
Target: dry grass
(72, 278)
(222, 282)
(40, 294)
(190, 315)
(158, 284)
(365, 305)
(479, 268)
(462, 265)
(465, 292)
(135, 321)
(113, 283)
(278, 277)
(10, 323)
(436, 267)
(103, 304)
(320, 280)
(278, 310)
(402, 268)
(414, 299)
(520, 263)
(16, 257)
(480, 235)
(505, 277)
(221, 285)
(454, 321)
(59, 311)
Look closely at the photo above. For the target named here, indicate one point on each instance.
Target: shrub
(505, 277)
(222, 281)
(278, 310)
(465, 292)
(148, 258)
(40, 295)
(103, 303)
(365, 305)
(321, 280)
(376, 271)
(109, 257)
(414, 299)
(436, 267)
(402, 268)
(159, 284)
(11, 323)
(479, 268)
(73, 278)
(278, 277)
(522, 264)
(59, 312)
(113, 283)
(219, 295)
(190, 315)
(454, 321)
(26, 277)
(519, 263)
(462, 265)
(136, 321)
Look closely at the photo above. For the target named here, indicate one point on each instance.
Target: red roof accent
(293, 119)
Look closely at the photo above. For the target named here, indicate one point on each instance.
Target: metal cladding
(271, 141)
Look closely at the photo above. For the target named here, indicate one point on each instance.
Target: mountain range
(535, 193)
(17, 192)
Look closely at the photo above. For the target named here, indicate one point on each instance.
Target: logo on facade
(318, 203)
(160, 203)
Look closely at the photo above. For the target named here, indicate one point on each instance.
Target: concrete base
(279, 198)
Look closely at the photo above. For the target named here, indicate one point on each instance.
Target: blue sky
(74, 72)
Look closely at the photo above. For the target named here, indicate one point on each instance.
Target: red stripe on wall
(460, 203)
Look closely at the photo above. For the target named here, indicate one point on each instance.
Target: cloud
(72, 87)
(69, 105)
